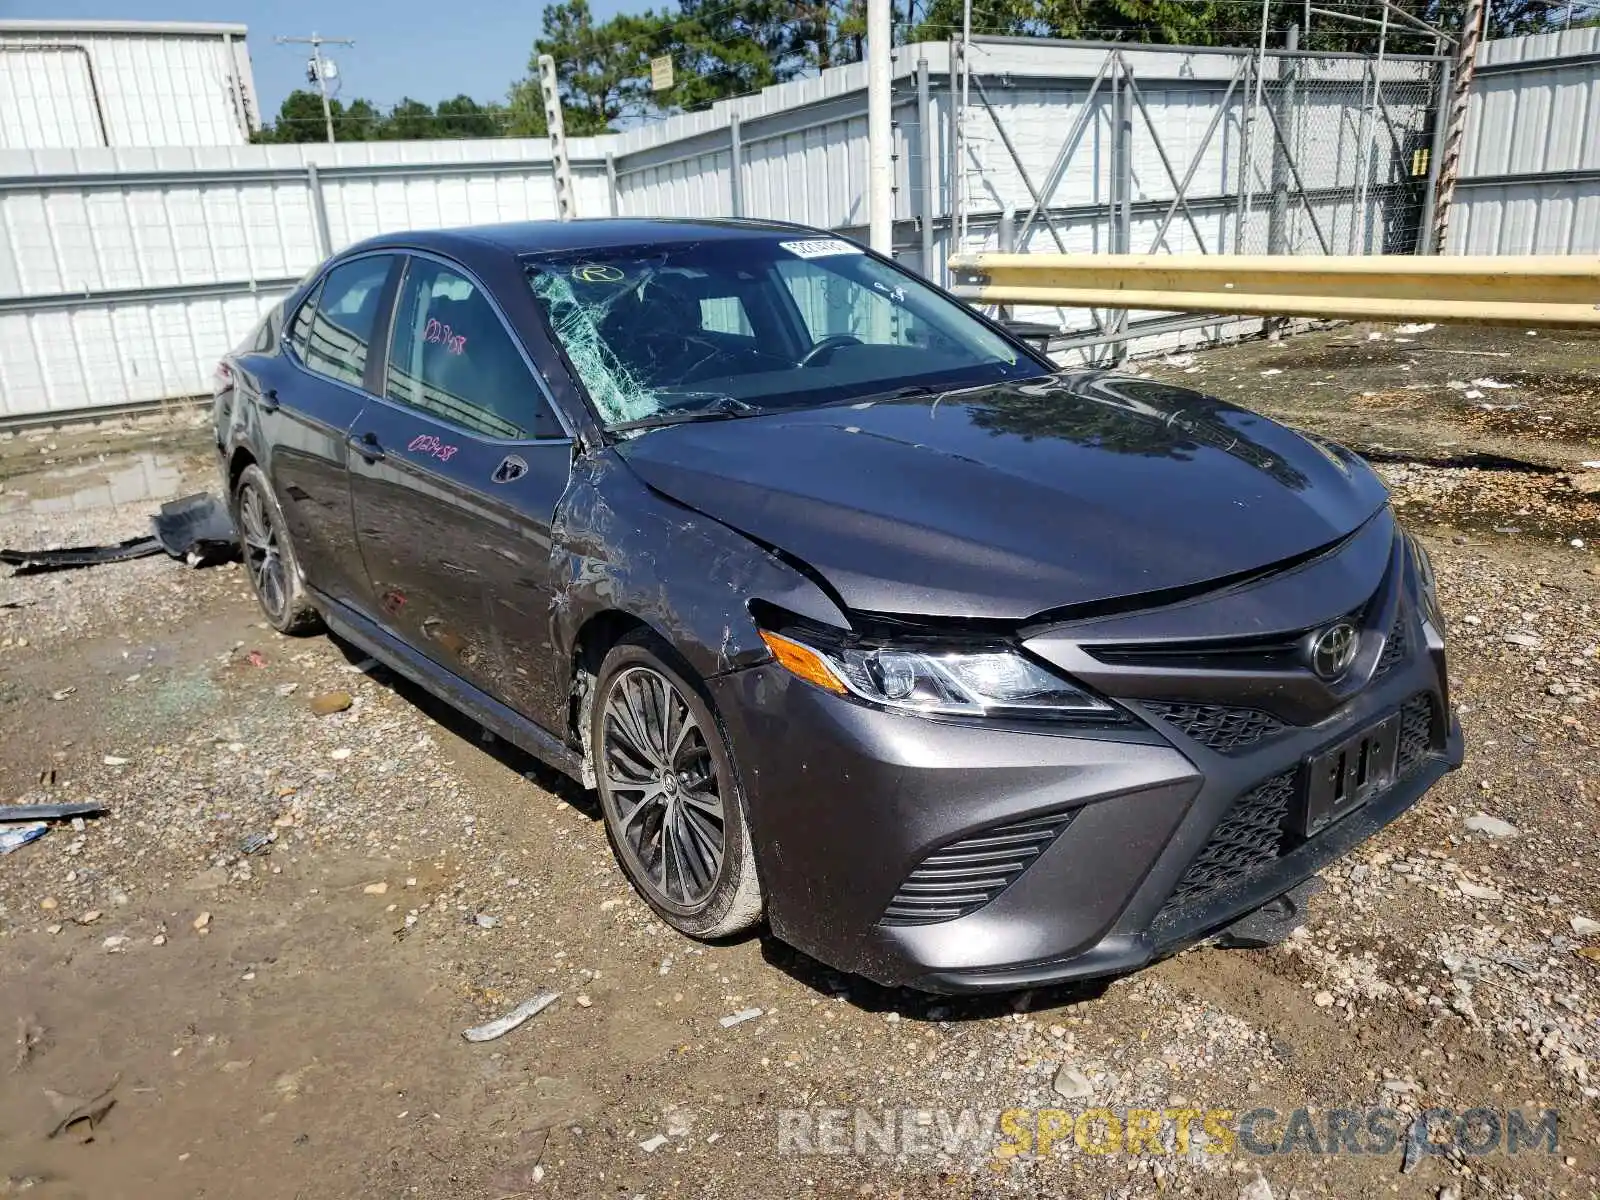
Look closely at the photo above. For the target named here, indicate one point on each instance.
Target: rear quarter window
(346, 314)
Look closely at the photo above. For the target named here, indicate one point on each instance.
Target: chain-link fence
(1338, 158)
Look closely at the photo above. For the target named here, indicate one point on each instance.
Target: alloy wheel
(666, 797)
(263, 556)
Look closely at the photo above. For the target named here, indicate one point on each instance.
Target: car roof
(537, 237)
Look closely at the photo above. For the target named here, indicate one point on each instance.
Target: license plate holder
(1342, 778)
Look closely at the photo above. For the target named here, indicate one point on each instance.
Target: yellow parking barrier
(1550, 291)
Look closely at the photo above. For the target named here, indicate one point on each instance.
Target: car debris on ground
(82, 1117)
(501, 1026)
(194, 529)
(18, 836)
(50, 812)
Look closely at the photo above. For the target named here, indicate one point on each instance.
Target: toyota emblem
(1334, 650)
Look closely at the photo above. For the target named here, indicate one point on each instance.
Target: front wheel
(672, 802)
(269, 556)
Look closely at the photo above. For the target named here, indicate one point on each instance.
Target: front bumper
(847, 802)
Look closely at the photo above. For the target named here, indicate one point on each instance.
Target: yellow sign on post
(661, 73)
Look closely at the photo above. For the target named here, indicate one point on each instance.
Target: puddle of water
(130, 480)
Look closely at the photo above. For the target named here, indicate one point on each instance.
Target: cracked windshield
(742, 326)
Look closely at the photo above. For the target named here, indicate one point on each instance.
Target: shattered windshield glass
(740, 326)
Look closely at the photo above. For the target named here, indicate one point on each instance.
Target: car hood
(1008, 501)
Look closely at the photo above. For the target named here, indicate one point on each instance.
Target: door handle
(367, 446)
(269, 400)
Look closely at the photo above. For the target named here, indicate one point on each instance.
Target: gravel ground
(269, 946)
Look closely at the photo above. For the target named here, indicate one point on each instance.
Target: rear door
(455, 475)
(309, 396)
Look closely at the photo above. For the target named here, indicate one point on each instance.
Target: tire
(269, 558)
(656, 818)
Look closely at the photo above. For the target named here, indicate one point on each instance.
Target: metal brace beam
(1064, 155)
(1199, 154)
(1027, 179)
(1180, 198)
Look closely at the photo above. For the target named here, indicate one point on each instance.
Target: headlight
(1427, 587)
(994, 682)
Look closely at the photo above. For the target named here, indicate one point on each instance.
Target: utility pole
(317, 71)
(1456, 132)
(880, 130)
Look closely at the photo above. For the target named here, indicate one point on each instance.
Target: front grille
(1395, 650)
(964, 876)
(1265, 652)
(1249, 838)
(1225, 730)
(1254, 833)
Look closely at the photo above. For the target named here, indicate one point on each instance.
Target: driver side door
(456, 468)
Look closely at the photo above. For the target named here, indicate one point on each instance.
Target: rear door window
(346, 314)
(451, 356)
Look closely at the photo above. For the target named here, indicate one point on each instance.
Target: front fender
(617, 545)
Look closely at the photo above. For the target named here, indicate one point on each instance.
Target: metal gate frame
(1114, 93)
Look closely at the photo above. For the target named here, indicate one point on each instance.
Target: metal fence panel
(99, 83)
(125, 274)
(169, 254)
(1530, 173)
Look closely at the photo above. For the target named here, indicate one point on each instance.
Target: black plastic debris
(49, 812)
(196, 529)
(33, 562)
(1274, 922)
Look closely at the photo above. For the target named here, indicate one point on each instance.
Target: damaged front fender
(615, 542)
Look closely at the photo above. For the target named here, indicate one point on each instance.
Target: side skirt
(451, 688)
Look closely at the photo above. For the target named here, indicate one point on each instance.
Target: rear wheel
(672, 802)
(269, 556)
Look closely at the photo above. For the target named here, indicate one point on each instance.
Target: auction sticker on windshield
(820, 247)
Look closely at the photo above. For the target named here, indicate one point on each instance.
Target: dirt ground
(266, 951)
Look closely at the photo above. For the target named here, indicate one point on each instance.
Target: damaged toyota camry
(960, 670)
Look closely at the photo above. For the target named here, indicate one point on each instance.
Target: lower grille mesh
(1250, 837)
(964, 876)
(1416, 734)
(1253, 835)
(1224, 730)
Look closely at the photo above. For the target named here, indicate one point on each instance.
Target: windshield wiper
(899, 393)
(721, 409)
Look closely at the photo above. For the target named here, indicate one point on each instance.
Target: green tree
(409, 121)
(602, 70)
(1213, 23)
(524, 109)
(360, 122)
(720, 50)
(300, 119)
(464, 117)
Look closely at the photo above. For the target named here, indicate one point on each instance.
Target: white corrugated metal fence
(125, 273)
(1530, 173)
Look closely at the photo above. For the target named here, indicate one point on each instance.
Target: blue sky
(425, 49)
